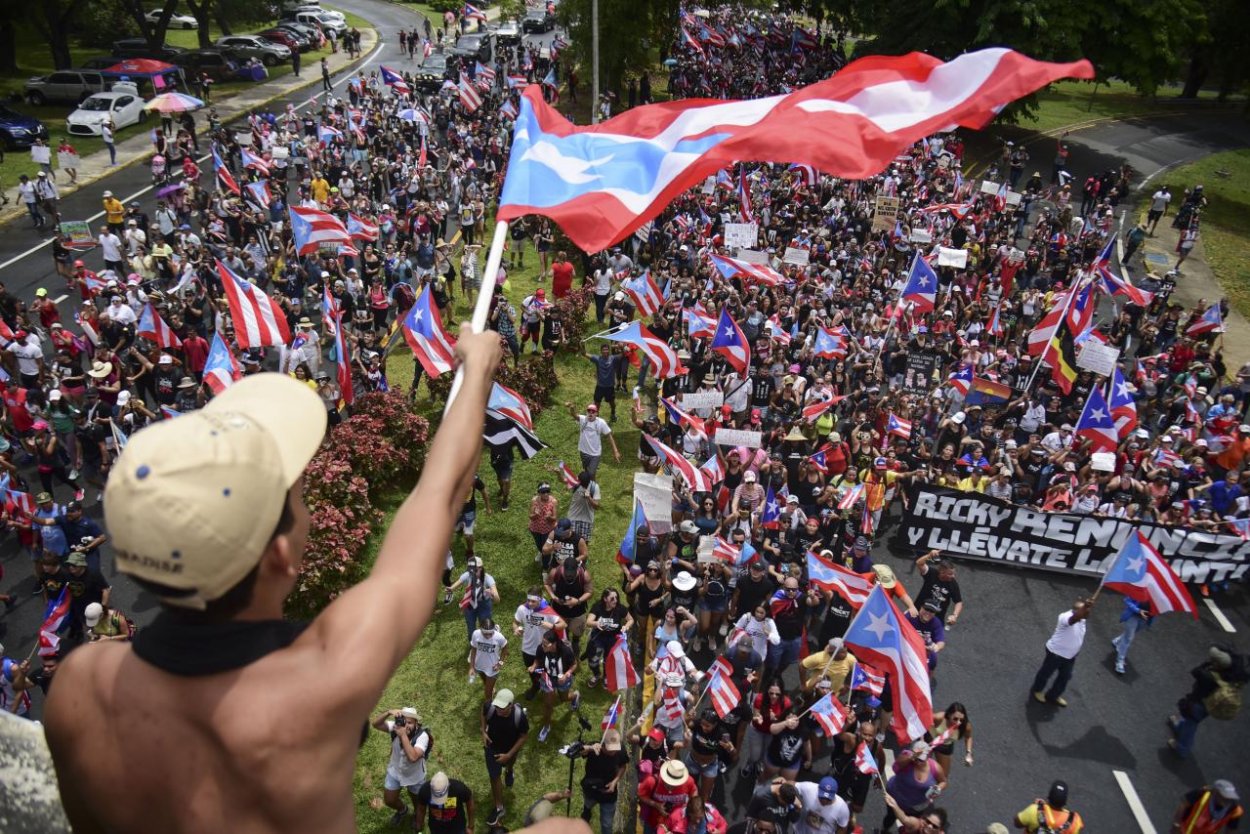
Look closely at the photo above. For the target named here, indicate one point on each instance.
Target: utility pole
(594, 59)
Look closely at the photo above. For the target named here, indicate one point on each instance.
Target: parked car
(334, 13)
(125, 108)
(325, 21)
(475, 47)
(176, 21)
(508, 33)
(64, 85)
(311, 31)
(248, 47)
(538, 20)
(285, 37)
(17, 131)
(138, 48)
(213, 62)
(99, 62)
(429, 76)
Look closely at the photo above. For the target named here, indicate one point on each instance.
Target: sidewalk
(138, 148)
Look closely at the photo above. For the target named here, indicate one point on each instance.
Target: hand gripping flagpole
(480, 310)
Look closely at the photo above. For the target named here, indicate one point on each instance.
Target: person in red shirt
(561, 276)
(660, 795)
(195, 348)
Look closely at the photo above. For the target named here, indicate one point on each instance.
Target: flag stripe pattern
(1139, 571)
(258, 320)
(880, 636)
(423, 330)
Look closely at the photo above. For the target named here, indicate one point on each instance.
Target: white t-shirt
(408, 774)
(817, 818)
(1159, 200)
(489, 652)
(532, 623)
(588, 441)
(111, 246)
(28, 357)
(1068, 636)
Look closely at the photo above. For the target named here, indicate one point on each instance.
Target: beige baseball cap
(192, 503)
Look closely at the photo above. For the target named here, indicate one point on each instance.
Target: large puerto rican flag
(258, 320)
(601, 182)
(1141, 573)
(311, 228)
(431, 344)
(663, 358)
(731, 342)
(152, 326)
(759, 273)
(879, 636)
(830, 576)
(645, 293)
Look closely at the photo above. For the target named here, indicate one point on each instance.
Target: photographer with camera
(605, 765)
(410, 744)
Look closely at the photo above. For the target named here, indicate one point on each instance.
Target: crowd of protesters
(418, 172)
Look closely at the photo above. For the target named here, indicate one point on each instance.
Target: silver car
(248, 47)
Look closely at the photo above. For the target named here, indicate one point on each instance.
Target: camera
(572, 750)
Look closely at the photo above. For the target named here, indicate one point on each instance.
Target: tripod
(573, 752)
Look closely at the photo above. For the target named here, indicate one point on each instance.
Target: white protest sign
(741, 235)
(957, 258)
(921, 236)
(656, 494)
(737, 437)
(707, 549)
(796, 256)
(702, 399)
(643, 232)
(709, 184)
(989, 187)
(752, 256)
(1013, 198)
(1097, 357)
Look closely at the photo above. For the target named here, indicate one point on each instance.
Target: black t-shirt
(837, 619)
(946, 593)
(449, 816)
(786, 747)
(752, 593)
(556, 660)
(609, 622)
(790, 618)
(601, 768)
(85, 589)
(769, 807)
(563, 586)
(707, 742)
(505, 730)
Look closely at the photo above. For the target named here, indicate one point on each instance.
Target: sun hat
(99, 370)
(192, 503)
(885, 576)
(673, 773)
(683, 581)
(411, 712)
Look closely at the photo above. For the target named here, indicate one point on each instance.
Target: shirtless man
(223, 716)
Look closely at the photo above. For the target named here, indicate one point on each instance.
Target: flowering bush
(380, 444)
(572, 309)
(534, 378)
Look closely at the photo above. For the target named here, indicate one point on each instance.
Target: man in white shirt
(824, 812)
(117, 311)
(1061, 651)
(29, 357)
(111, 249)
(26, 190)
(406, 767)
(591, 429)
(1158, 207)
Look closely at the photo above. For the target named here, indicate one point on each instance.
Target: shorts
(604, 392)
(717, 605)
(465, 523)
(700, 770)
(503, 471)
(576, 625)
(1152, 215)
(555, 685)
(493, 768)
(393, 784)
(794, 765)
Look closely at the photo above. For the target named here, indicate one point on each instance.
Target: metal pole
(594, 59)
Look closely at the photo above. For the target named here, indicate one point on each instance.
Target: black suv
(138, 48)
(473, 48)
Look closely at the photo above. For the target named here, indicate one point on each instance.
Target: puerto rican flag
(618, 667)
(867, 679)
(328, 135)
(819, 461)
(898, 426)
(508, 110)
(961, 380)
(567, 475)
(221, 369)
(258, 320)
(225, 179)
(256, 163)
(54, 617)
(830, 714)
(431, 344)
(865, 762)
(804, 174)
(170, 413)
(516, 81)
(484, 74)
(470, 96)
(511, 405)
(662, 357)
(695, 479)
(759, 273)
(921, 287)
(312, 228)
(550, 83)
(713, 471)
(744, 197)
(684, 419)
(1097, 424)
(1209, 322)
(830, 576)
(958, 210)
(361, 229)
(721, 690)
(612, 716)
(829, 344)
(472, 12)
(880, 636)
(645, 294)
(814, 410)
(698, 323)
(1113, 284)
(343, 364)
(689, 41)
(1140, 572)
(259, 193)
(1079, 314)
(770, 513)
(394, 80)
(866, 114)
(152, 326)
(628, 551)
(730, 553)
(1123, 406)
(776, 332)
(731, 343)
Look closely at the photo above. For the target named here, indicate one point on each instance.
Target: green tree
(53, 19)
(1215, 53)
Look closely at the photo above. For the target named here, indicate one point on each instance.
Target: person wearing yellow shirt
(976, 481)
(320, 188)
(1051, 814)
(834, 663)
(114, 213)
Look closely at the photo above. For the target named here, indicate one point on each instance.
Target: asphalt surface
(1113, 723)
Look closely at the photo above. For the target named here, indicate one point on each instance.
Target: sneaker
(397, 818)
(724, 629)
(508, 778)
(472, 678)
(696, 644)
(1059, 702)
(496, 816)
(543, 733)
(504, 506)
(1119, 667)
(576, 702)
(1039, 697)
(447, 596)
(594, 681)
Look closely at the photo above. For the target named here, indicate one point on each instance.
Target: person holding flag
(1150, 588)
(608, 619)
(605, 766)
(1061, 651)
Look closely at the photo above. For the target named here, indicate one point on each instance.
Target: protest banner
(795, 255)
(974, 526)
(752, 256)
(707, 549)
(1097, 357)
(885, 213)
(918, 375)
(957, 258)
(655, 492)
(702, 399)
(79, 234)
(737, 437)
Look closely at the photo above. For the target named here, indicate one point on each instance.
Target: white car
(176, 21)
(125, 108)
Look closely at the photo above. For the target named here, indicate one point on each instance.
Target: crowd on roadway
(859, 383)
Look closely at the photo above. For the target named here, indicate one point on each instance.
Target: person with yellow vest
(1051, 815)
(114, 212)
(1209, 810)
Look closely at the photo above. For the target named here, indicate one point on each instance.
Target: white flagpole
(480, 310)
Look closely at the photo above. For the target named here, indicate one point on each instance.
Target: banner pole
(482, 307)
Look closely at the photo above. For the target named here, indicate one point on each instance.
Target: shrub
(573, 309)
(534, 378)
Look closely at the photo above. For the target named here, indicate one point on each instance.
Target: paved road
(1113, 722)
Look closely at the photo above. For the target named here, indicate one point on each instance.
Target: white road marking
(377, 50)
(1219, 616)
(1134, 802)
(59, 299)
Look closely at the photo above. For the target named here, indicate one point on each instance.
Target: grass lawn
(1226, 219)
(434, 676)
(1072, 102)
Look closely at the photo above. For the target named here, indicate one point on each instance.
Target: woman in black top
(607, 620)
(650, 591)
(713, 601)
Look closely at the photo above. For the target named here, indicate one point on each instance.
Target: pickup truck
(64, 85)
